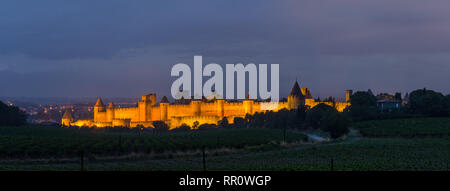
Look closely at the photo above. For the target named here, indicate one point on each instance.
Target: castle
(190, 111)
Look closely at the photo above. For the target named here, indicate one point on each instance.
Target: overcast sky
(127, 48)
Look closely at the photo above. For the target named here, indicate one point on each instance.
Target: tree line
(421, 103)
(11, 115)
(321, 117)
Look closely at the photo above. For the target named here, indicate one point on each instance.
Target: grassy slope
(420, 127)
(412, 149)
(41, 142)
(362, 154)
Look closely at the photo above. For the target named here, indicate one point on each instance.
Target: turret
(348, 94)
(150, 98)
(98, 108)
(295, 98)
(306, 93)
(67, 119)
(248, 105)
(220, 107)
(164, 105)
(110, 112)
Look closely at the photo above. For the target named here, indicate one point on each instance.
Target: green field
(420, 127)
(412, 144)
(57, 142)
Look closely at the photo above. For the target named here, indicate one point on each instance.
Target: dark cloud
(101, 47)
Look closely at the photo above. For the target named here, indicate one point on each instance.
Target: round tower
(67, 119)
(164, 105)
(295, 98)
(220, 107)
(99, 107)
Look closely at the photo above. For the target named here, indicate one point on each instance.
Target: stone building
(190, 111)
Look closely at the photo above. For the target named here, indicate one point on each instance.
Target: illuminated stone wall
(340, 106)
(204, 112)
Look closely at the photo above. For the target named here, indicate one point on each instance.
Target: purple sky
(123, 49)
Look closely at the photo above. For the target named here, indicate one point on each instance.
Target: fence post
(120, 144)
(331, 163)
(204, 158)
(82, 160)
(218, 141)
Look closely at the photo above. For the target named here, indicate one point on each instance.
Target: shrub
(160, 126)
(224, 123)
(207, 126)
(328, 119)
(239, 122)
(182, 128)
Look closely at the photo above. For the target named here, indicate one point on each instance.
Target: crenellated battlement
(202, 111)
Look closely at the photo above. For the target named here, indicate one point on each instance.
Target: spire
(296, 90)
(99, 102)
(111, 105)
(67, 115)
(406, 96)
(164, 100)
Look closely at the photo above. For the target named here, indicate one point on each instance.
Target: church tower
(295, 98)
(67, 119)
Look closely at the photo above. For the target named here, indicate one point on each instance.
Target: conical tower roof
(164, 100)
(296, 90)
(111, 105)
(67, 115)
(99, 102)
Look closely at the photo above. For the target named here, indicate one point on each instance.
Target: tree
(223, 123)
(195, 125)
(301, 112)
(328, 119)
(11, 116)
(427, 102)
(336, 124)
(398, 96)
(207, 126)
(182, 128)
(363, 99)
(315, 116)
(239, 122)
(363, 107)
(160, 126)
(447, 105)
